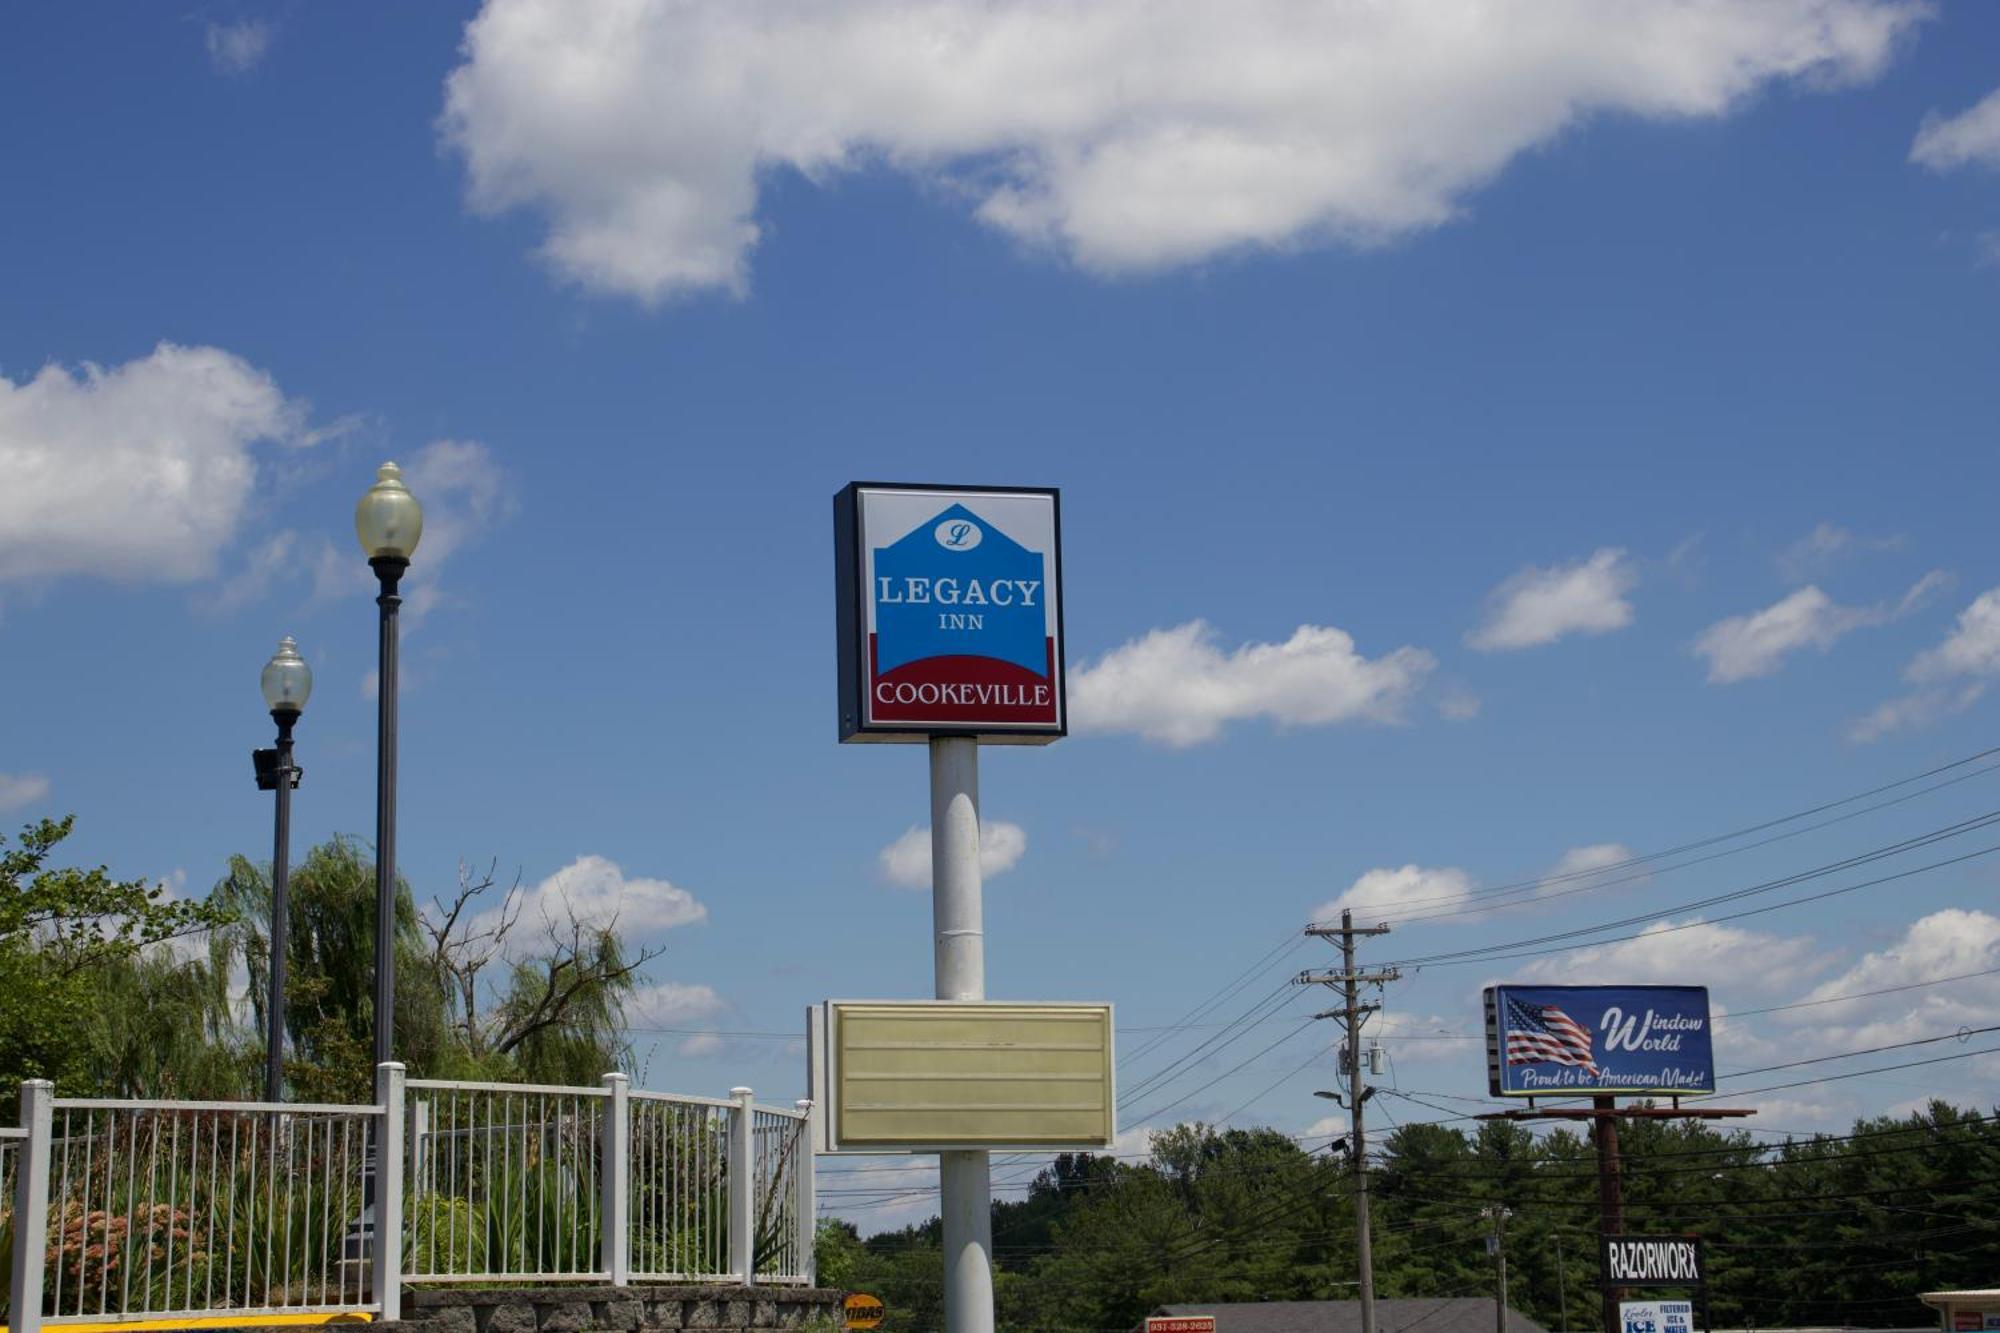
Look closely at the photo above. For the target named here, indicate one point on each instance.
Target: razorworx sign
(1652, 1261)
(1546, 1041)
(949, 610)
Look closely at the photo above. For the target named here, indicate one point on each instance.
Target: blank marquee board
(933, 1076)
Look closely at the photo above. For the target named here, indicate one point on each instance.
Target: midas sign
(949, 610)
(863, 1311)
(932, 1076)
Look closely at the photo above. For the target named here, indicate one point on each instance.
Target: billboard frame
(851, 618)
(822, 1077)
(1496, 1057)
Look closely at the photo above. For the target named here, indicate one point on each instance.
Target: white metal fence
(505, 1182)
(680, 1201)
(781, 1186)
(126, 1210)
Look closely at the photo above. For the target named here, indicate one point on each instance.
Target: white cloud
(1458, 705)
(906, 862)
(1797, 1113)
(264, 564)
(237, 48)
(1129, 135)
(1583, 862)
(19, 789)
(465, 495)
(670, 1004)
(1948, 943)
(1426, 1038)
(1919, 708)
(1745, 647)
(1538, 606)
(598, 890)
(1177, 687)
(1968, 138)
(141, 472)
(1971, 649)
(1326, 1127)
(1690, 953)
(1389, 892)
(702, 1045)
(1581, 869)
(1825, 546)
(1413, 893)
(1949, 678)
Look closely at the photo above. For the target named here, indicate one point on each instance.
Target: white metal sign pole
(965, 1181)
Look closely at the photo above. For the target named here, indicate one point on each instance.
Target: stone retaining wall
(725, 1309)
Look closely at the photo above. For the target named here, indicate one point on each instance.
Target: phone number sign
(949, 610)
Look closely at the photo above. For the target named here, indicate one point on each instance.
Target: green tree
(64, 933)
(471, 1000)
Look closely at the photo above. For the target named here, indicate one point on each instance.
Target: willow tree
(480, 993)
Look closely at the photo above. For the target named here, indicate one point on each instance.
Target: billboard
(1553, 1041)
(936, 1075)
(948, 604)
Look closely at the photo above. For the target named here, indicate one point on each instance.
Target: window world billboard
(1551, 1041)
(949, 611)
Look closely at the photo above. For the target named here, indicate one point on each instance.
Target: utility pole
(1562, 1287)
(1352, 1014)
(1498, 1241)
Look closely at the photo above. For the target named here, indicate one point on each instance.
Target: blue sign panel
(949, 613)
(1552, 1041)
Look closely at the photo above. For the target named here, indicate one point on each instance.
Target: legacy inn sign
(949, 610)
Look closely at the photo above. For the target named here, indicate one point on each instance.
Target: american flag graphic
(1538, 1033)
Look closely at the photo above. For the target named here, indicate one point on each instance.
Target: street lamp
(389, 522)
(287, 683)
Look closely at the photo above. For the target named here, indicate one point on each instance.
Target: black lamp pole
(389, 522)
(285, 776)
(388, 569)
(287, 684)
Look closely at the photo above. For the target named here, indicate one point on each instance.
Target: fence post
(418, 1183)
(807, 1207)
(615, 1184)
(743, 1188)
(31, 1205)
(388, 1254)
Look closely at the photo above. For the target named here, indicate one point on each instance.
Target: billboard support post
(965, 1184)
(1610, 1196)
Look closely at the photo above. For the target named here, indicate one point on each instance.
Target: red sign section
(962, 689)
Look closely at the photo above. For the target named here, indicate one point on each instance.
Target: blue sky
(1490, 377)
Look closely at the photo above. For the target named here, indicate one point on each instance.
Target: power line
(1714, 839)
(1453, 905)
(1517, 949)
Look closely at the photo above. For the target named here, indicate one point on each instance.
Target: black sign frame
(850, 619)
(1700, 1278)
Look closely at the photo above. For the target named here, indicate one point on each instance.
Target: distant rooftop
(1459, 1314)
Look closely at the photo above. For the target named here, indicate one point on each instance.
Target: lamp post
(389, 521)
(287, 683)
